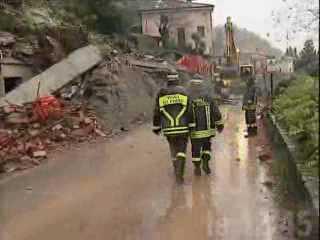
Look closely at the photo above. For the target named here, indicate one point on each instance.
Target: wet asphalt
(124, 189)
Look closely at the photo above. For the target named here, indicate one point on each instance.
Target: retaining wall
(309, 184)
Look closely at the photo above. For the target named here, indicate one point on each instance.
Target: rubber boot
(197, 168)
(180, 164)
(205, 164)
(250, 132)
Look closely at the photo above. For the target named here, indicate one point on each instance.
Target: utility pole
(271, 88)
(2, 86)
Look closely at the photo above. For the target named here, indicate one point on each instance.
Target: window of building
(181, 37)
(201, 31)
(11, 83)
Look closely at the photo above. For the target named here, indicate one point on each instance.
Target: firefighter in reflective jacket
(207, 118)
(172, 117)
(249, 106)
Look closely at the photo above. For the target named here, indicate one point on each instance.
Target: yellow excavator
(229, 69)
(232, 53)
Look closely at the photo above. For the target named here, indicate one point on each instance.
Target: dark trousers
(201, 149)
(178, 146)
(251, 119)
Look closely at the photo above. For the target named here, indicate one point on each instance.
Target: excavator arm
(231, 51)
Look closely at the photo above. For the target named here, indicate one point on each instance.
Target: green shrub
(297, 110)
(7, 22)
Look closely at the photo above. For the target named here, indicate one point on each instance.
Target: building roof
(157, 5)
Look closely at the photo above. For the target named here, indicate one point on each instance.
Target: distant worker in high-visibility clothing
(207, 118)
(250, 101)
(173, 117)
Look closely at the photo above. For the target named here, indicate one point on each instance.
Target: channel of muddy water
(290, 192)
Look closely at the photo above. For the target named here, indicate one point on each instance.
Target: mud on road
(125, 189)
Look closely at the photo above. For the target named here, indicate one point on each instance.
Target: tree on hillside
(246, 41)
(291, 52)
(308, 59)
(296, 17)
(164, 30)
(295, 52)
(103, 16)
(199, 44)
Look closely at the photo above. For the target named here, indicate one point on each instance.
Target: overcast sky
(254, 15)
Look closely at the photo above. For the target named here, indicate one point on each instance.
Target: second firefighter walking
(250, 101)
(207, 119)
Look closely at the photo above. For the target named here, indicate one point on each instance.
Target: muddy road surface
(124, 190)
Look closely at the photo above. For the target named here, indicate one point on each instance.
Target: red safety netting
(47, 106)
(196, 64)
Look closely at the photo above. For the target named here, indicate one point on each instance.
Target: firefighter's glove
(220, 128)
(156, 131)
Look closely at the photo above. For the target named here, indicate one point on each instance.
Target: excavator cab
(246, 71)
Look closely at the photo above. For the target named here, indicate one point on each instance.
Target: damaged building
(13, 72)
(183, 19)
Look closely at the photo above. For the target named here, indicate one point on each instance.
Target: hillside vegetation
(296, 108)
(246, 41)
(100, 16)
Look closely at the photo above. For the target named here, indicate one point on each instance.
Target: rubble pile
(119, 89)
(29, 132)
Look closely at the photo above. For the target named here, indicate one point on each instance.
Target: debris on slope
(118, 90)
(28, 132)
(114, 92)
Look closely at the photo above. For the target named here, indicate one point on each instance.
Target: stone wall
(298, 181)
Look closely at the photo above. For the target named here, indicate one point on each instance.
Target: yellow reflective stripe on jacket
(173, 99)
(219, 122)
(182, 155)
(206, 153)
(175, 128)
(175, 132)
(196, 159)
(156, 128)
(168, 116)
(184, 109)
(203, 134)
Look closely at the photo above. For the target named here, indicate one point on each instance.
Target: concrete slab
(57, 76)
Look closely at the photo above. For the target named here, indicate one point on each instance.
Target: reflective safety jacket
(250, 99)
(206, 116)
(172, 112)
